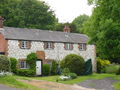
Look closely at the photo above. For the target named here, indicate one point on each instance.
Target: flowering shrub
(2, 73)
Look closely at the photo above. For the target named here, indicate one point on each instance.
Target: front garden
(71, 70)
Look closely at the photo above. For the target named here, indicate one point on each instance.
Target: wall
(58, 53)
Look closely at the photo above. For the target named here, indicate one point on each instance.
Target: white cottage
(49, 45)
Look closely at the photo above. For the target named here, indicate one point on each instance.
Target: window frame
(68, 46)
(23, 64)
(24, 44)
(82, 46)
(49, 45)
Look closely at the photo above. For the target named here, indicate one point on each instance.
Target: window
(48, 45)
(82, 47)
(23, 65)
(25, 44)
(68, 46)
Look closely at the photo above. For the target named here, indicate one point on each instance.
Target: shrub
(113, 68)
(75, 63)
(26, 72)
(13, 65)
(31, 60)
(118, 72)
(46, 69)
(73, 75)
(4, 63)
(54, 67)
(101, 64)
(65, 71)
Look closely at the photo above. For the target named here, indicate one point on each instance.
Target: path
(53, 85)
(4, 87)
(103, 84)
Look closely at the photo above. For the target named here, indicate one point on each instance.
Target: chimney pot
(66, 28)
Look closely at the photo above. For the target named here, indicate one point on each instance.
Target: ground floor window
(23, 64)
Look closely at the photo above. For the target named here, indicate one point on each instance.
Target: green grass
(11, 81)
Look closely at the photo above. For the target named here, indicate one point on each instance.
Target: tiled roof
(43, 35)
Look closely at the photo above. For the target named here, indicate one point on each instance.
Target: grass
(11, 81)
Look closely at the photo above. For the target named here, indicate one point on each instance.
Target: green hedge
(54, 68)
(46, 69)
(26, 72)
(4, 63)
(75, 63)
(13, 65)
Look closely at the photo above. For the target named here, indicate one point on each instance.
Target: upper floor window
(68, 46)
(48, 45)
(25, 44)
(82, 46)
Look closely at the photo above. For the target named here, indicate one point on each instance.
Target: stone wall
(58, 53)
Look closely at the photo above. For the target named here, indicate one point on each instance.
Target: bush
(4, 64)
(118, 72)
(54, 67)
(73, 75)
(26, 72)
(46, 69)
(31, 60)
(75, 63)
(113, 68)
(13, 65)
(65, 71)
(101, 64)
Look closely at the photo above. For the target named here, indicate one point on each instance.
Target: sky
(68, 10)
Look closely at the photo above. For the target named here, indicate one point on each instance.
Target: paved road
(4, 87)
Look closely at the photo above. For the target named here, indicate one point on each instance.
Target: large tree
(27, 14)
(103, 27)
(79, 21)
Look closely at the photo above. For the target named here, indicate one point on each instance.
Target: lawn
(11, 80)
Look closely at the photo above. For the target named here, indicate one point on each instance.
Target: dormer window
(82, 46)
(68, 46)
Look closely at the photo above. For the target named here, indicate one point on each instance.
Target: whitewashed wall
(58, 53)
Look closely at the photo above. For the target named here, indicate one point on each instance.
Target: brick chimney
(66, 28)
(1, 21)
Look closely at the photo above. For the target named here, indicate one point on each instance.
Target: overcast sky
(67, 10)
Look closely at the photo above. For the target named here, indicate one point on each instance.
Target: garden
(71, 70)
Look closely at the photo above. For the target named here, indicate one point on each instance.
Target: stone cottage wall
(58, 53)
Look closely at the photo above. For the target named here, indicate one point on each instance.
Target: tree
(103, 27)
(79, 21)
(27, 14)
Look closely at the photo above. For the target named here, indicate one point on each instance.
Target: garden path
(53, 85)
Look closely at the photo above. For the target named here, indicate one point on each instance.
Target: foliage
(75, 63)
(101, 64)
(54, 67)
(113, 68)
(79, 21)
(4, 63)
(26, 72)
(118, 72)
(65, 71)
(13, 65)
(31, 60)
(27, 14)
(73, 75)
(2, 74)
(103, 29)
(46, 69)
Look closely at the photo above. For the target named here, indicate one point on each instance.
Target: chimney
(1, 21)
(66, 28)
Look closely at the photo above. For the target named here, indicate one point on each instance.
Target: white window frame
(82, 46)
(23, 65)
(24, 44)
(68, 46)
(49, 45)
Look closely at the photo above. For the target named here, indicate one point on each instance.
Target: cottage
(49, 45)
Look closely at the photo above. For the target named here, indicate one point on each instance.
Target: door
(38, 67)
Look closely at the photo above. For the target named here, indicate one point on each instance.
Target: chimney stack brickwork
(1, 22)
(66, 28)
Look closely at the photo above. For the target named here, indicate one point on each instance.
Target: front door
(38, 67)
